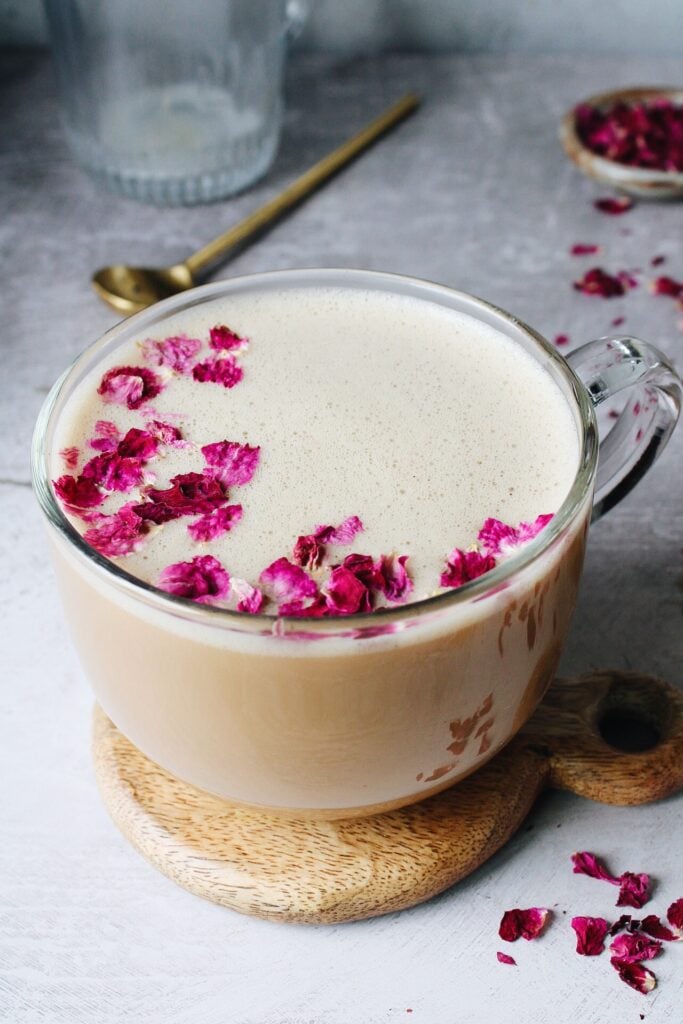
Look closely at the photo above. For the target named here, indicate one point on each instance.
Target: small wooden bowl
(644, 183)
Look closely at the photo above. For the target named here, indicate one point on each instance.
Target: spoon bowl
(130, 289)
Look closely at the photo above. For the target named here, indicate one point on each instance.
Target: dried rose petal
(590, 934)
(667, 286)
(107, 436)
(653, 926)
(215, 523)
(223, 338)
(588, 864)
(499, 539)
(613, 205)
(129, 385)
(396, 583)
(598, 282)
(560, 340)
(78, 493)
(118, 534)
(342, 534)
(635, 975)
(69, 457)
(223, 371)
(657, 261)
(308, 552)
(287, 582)
(634, 891)
(618, 321)
(633, 947)
(463, 566)
(138, 444)
(625, 923)
(230, 462)
(250, 598)
(113, 472)
(345, 593)
(189, 494)
(166, 433)
(525, 923)
(674, 914)
(178, 353)
(504, 958)
(645, 134)
(203, 579)
(584, 249)
(315, 609)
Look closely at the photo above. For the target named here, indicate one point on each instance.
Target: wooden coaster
(612, 736)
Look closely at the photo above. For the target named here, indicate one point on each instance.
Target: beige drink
(412, 419)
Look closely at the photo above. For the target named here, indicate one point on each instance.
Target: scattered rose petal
(396, 583)
(657, 261)
(189, 494)
(114, 473)
(78, 493)
(118, 534)
(628, 279)
(560, 340)
(588, 864)
(618, 321)
(225, 339)
(69, 457)
(598, 282)
(287, 582)
(345, 593)
(215, 523)
(166, 433)
(499, 539)
(584, 249)
(525, 923)
(107, 436)
(634, 891)
(590, 934)
(504, 958)
(635, 975)
(674, 914)
(308, 552)
(342, 534)
(250, 598)
(645, 134)
(230, 462)
(614, 205)
(632, 947)
(203, 579)
(138, 444)
(129, 385)
(653, 926)
(223, 371)
(667, 286)
(625, 923)
(463, 566)
(177, 353)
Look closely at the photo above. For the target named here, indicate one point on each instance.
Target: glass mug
(172, 103)
(349, 716)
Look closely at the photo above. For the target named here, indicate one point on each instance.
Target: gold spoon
(130, 289)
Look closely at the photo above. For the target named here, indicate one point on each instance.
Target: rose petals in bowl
(643, 182)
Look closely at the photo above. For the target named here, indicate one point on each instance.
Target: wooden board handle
(615, 737)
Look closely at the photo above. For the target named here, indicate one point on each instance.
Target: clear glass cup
(172, 103)
(342, 716)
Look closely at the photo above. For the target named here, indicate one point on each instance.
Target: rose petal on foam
(463, 566)
(308, 552)
(69, 457)
(107, 436)
(674, 914)
(166, 433)
(118, 534)
(315, 609)
(499, 539)
(590, 934)
(505, 958)
(342, 534)
(634, 890)
(634, 946)
(309, 549)
(250, 598)
(203, 579)
(223, 338)
(527, 924)
(635, 975)
(113, 472)
(178, 353)
(219, 370)
(345, 593)
(286, 582)
(396, 583)
(81, 492)
(129, 385)
(230, 462)
(365, 569)
(138, 444)
(189, 494)
(215, 523)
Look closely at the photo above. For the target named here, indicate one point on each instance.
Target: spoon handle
(268, 214)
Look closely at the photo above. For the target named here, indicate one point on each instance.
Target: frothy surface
(418, 419)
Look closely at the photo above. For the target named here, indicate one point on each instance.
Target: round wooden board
(306, 870)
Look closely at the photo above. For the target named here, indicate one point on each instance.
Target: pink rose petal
(653, 926)
(561, 340)
(527, 924)
(342, 534)
(635, 975)
(230, 462)
(634, 890)
(463, 566)
(345, 593)
(613, 205)
(222, 338)
(667, 286)
(498, 539)
(203, 579)
(78, 493)
(598, 282)
(69, 457)
(286, 582)
(588, 864)
(590, 934)
(396, 583)
(166, 433)
(129, 385)
(308, 552)
(250, 598)
(178, 353)
(215, 523)
(584, 249)
(118, 534)
(107, 436)
(504, 958)
(215, 370)
(365, 569)
(114, 473)
(189, 494)
(634, 947)
(138, 444)
(674, 914)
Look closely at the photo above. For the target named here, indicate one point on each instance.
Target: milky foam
(419, 419)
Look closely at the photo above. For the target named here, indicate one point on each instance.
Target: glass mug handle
(606, 367)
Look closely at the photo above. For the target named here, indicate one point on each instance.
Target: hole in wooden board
(627, 731)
